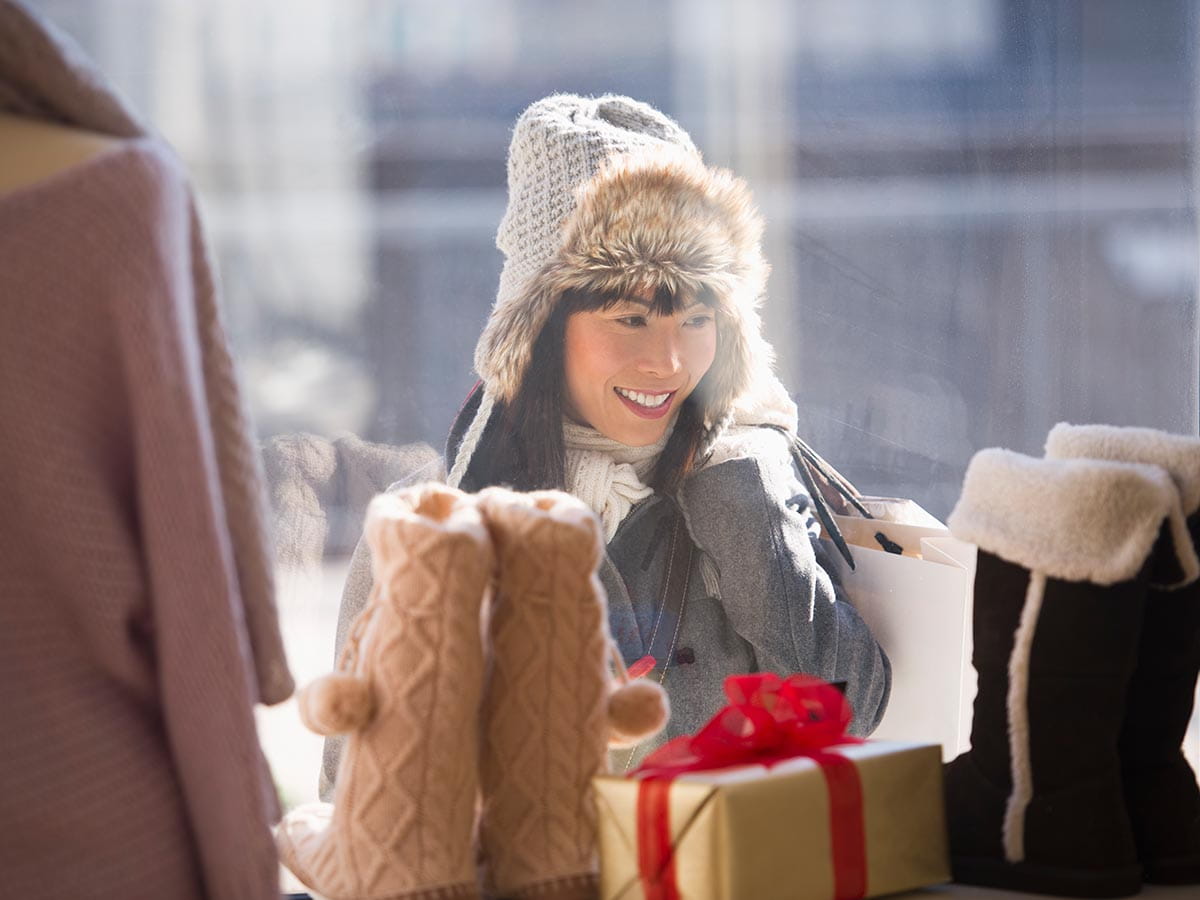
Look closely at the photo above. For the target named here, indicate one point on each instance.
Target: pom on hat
(636, 711)
(336, 704)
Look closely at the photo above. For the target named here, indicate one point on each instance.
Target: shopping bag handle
(823, 481)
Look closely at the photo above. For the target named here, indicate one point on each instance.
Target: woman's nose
(661, 355)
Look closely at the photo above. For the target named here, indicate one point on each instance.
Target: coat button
(685, 656)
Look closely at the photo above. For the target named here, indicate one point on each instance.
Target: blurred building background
(981, 214)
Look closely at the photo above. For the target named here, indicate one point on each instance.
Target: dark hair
(528, 451)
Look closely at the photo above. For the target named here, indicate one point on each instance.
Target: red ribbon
(767, 720)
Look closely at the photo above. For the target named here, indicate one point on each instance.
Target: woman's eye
(633, 321)
(698, 321)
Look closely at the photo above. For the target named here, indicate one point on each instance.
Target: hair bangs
(665, 302)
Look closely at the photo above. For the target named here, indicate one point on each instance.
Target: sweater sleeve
(202, 646)
(749, 515)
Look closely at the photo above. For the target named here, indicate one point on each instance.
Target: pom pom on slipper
(336, 703)
(636, 711)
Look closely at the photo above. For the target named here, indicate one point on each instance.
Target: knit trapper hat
(608, 195)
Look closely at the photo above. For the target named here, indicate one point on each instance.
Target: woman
(623, 362)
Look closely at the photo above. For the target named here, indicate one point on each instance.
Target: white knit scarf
(606, 474)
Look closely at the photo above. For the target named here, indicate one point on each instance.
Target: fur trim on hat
(1076, 520)
(656, 217)
(1178, 454)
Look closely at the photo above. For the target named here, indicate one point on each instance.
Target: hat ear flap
(505, 349)
(730, 373)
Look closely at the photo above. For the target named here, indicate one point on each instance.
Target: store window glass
(981, 217)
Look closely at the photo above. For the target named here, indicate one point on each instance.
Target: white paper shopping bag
(898, 525)
(918, 605)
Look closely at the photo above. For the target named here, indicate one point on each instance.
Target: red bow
(767, 720)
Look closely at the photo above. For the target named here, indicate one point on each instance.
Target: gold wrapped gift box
(759, 833)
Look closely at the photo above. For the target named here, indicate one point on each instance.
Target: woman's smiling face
(628, 369)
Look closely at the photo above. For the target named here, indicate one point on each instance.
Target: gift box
(772, 800)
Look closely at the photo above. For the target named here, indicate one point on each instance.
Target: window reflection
(981, 218)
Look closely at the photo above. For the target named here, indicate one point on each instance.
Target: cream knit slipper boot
(407, 690)
(546, 720)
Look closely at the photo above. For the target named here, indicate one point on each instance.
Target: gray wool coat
(758, 597)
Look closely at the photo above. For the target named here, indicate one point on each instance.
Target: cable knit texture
(607, 475)
(401, 821)
(545, 725)
(138, 625)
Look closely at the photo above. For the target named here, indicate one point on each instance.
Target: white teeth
(650, 401)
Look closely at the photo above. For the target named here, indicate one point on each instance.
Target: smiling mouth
(650, 401)
(646, 405)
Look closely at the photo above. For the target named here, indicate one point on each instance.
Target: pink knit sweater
(137, 625)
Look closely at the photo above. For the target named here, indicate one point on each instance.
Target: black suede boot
(1160, 787)
(1037, 805)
